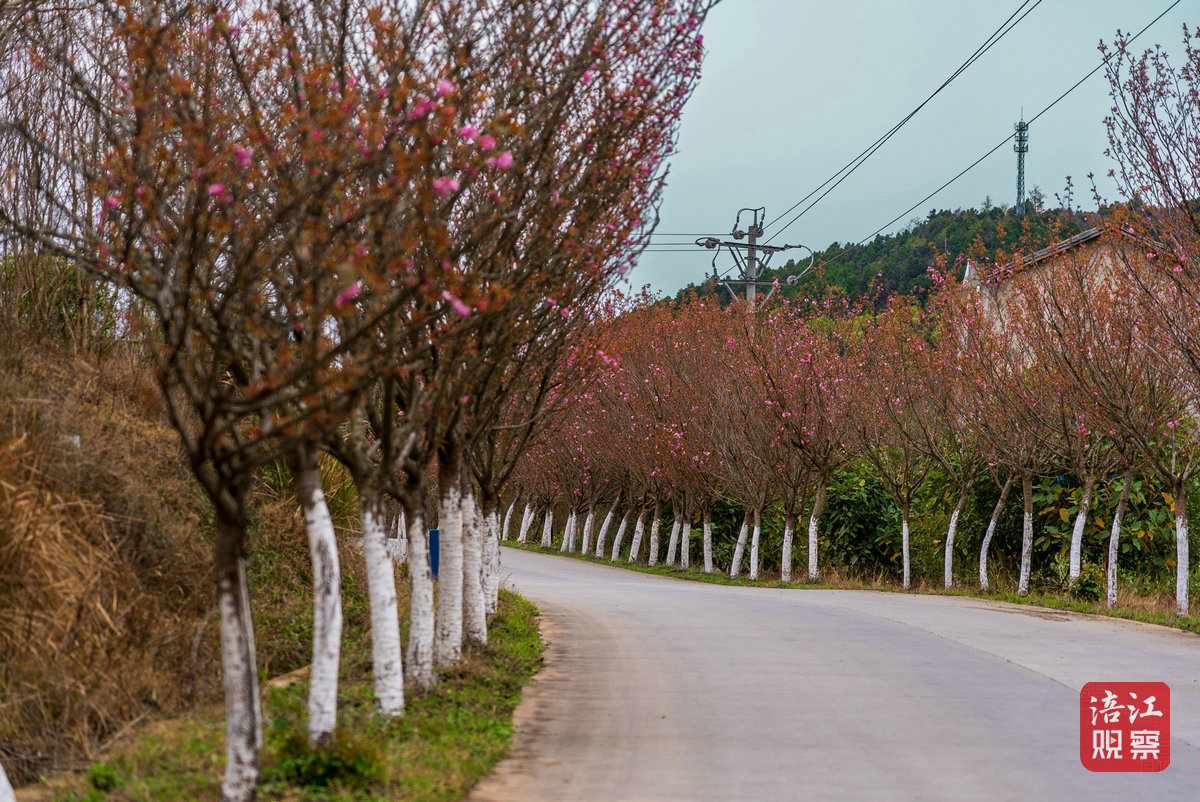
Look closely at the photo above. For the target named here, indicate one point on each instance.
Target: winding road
(662, 689)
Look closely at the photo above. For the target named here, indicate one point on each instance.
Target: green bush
(348, 760)
(103, 777)
(1090, 585)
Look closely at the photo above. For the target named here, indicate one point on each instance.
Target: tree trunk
(1114, 538)
(6, 790)
(548, 529)
(904, 551)
(397, 545)
(638, 528)
(1026, 535)
(739, 548)
(814, 523)
(505, 531)
(951, 531)
(474, 606)
(1182, 563)
(754, 540)
(589, 521)
(708, 542)
(569, 533)
(1085, 504)
(620, 536)
(387, 665)
(673, 543)
(685, 541)
(243, 717)
(785, 561)
(601, 535)
(991, 530)
(526, 522)
(652, 558)
(491, 557)
(447, 646)
(327, 597)
(420, 606)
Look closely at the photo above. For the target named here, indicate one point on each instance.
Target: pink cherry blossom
(348, 294)
(444, 186)
(461, 308)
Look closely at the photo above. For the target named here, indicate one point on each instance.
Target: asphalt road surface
(661, 689)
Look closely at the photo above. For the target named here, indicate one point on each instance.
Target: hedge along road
(662, 689)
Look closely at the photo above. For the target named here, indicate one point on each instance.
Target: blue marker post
(433, 552)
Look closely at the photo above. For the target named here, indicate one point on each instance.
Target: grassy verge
(1149, 610)
(446, 741)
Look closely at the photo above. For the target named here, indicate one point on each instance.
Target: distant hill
(899, 262)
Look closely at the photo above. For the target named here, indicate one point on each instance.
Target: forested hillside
(899, 262)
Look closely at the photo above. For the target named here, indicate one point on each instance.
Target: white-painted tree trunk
(1114, 539)
(991, 530)
(708, 542)
(397, 546)
(420, 607)
(568, 540)
(814, 523)
(387, 665)
(739, 548)
(1182, 560)
(243, 715)
(585, 542)
(652, 557)
(673, 543)
(447, 645)
(905, 555)
(619, 537)
(639, 528)
(6, 790)
(548, 530)
(601, 535)
(785, 561)
(505, 531)
(1026, 535)
(526, 522)
(1085, 505)
(327, 600)
(491, 561)
(685, 543)
(754, 540)
(951, 531)
(474, 605)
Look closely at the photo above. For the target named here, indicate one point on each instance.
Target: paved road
(659, 689)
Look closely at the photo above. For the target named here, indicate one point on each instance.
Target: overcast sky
(794, 90)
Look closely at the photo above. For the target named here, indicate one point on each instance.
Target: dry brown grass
(103, 580)
(106, 586)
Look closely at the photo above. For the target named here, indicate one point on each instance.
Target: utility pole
(750, 256)
(1021, 146)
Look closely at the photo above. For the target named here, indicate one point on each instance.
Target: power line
(1006, 139)
(846, 171)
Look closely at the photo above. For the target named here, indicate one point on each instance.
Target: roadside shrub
(103, 777)
(348, 760)
(1090, 585)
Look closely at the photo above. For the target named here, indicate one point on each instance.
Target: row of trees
(1058, 369)
(1084, 359)
(375, 229)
